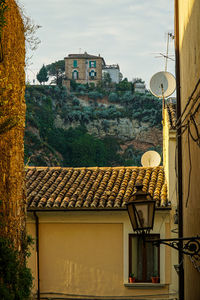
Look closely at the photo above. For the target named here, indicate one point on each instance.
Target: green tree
(57, 71)
(106, 79)
(127, 97)
(42, 75)
(124, 85)
(16, 278)
(95, 95)
(113, 97)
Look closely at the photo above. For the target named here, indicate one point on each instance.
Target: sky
(130, 33)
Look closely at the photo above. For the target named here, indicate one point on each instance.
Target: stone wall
(12, 120)
(82, 69)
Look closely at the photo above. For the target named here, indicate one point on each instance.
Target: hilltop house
(85, 245)
(83, 68)
(113, 71)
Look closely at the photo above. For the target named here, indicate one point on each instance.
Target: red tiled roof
(84, 55)
(171, 109)
(91, 188)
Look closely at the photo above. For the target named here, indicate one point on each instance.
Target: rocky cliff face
(128, 132)
(62, 128)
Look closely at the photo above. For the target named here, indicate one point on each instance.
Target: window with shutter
(75, 64)
(92, 74)
(144, 258)
(92, 64)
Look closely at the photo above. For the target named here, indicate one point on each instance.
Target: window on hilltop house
(75, 64)
(75, 75)
(92, 64)
(92, 74)
(144, 258)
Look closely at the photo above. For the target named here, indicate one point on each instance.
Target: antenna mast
(169, 34)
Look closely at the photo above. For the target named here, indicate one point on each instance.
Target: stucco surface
(86, 254)
(189, 12)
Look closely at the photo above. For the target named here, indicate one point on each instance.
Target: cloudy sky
(130, 33)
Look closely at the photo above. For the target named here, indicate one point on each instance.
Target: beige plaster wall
(166, 144)
(32, 260)
(189, 24)
(169, 158)
(84, 254)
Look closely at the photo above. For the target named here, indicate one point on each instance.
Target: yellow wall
(12, 113)
(189, 25)
(169, 158)
(87, 254)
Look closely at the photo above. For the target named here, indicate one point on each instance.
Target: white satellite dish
(150, 159)
(162, 84)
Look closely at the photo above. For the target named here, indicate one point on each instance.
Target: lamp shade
(141, 210)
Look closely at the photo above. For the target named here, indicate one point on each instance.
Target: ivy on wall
(16, 278)
(3, 7)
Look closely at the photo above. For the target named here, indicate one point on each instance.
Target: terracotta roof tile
(91, 188)
(171, 109)
(82, 55)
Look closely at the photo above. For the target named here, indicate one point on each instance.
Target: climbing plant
(15, 277)
(3, 7)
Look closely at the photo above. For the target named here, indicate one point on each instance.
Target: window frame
(93, 74)
(75, 63)
(92, 63)
(75, 72)
(144, 259)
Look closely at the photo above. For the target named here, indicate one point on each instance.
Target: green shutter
(92, 64)
(75, 64)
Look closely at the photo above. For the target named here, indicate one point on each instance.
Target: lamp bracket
(188, 245)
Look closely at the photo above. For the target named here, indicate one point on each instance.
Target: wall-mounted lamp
(141, 210)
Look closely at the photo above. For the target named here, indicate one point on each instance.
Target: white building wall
(114, 74)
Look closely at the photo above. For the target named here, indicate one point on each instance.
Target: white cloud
(126, 32)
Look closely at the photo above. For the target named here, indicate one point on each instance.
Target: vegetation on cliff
(48, 144)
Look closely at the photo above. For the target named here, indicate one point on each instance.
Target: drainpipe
(37, 251)
(179, 145)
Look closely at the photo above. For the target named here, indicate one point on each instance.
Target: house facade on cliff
(83, 68)
(85, 246)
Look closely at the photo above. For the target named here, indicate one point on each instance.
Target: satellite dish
(150, 159)
(162, 84)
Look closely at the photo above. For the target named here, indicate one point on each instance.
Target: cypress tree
(42, 75)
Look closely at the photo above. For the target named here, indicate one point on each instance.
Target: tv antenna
(167, 56)
(151, 159)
